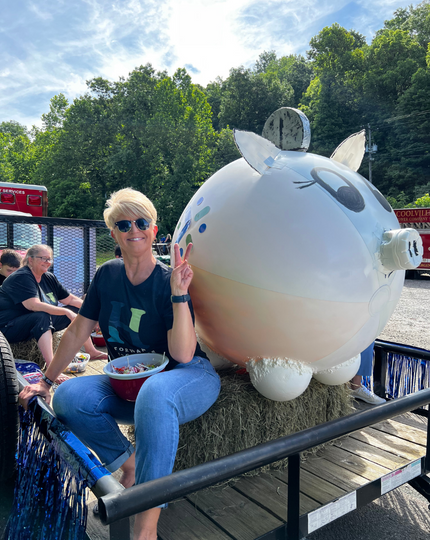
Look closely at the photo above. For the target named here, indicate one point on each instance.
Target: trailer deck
(348, 473)
(367, 454)
(256, 507)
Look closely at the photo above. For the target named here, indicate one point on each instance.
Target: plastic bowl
(98, 339)
(79, 364)
(127, 386)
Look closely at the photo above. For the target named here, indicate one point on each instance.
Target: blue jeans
(366, 366)
(89, 407)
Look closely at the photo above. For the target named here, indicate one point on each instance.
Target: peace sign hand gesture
(182, 274)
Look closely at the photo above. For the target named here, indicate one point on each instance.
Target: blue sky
(49, 47)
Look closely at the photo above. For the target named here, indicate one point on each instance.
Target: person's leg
(165, 401)
(25, 327)
(145, 525)
(45, 345)
(366, 367)
(89, 407)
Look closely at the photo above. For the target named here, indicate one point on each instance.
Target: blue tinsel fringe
(49, 498)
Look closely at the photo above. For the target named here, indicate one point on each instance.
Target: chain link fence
(80, 246)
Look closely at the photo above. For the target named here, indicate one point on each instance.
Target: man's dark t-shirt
(21, 286)
(133, 318)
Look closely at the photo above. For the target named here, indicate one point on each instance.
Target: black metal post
(10, 241)
(293, 530)
(380, 371)
(86, 232)
(50, 240)
(120, 530)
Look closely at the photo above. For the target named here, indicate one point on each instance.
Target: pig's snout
(401, 249)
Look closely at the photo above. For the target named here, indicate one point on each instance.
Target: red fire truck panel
(24, 198)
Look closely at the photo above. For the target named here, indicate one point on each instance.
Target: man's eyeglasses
(125, 224)
(44, 259)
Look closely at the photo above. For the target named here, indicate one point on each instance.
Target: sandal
(100, 356)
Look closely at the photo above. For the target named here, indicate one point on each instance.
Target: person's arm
(34, 304)
(182, 336)
(72, 300)
(73, 339)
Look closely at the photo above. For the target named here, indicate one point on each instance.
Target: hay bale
(28, 350)
(242, 418)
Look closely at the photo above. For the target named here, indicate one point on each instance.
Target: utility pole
(371, 149)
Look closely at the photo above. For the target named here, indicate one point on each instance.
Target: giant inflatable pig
(298, 260)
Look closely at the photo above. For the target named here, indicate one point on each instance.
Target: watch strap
(180, 299)
(48, 381)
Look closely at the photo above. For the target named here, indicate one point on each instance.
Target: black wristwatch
(180, 299)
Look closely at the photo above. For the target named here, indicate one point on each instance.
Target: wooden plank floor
(255, 505)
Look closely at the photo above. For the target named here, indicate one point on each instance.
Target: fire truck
(419, 219)
(24, 198)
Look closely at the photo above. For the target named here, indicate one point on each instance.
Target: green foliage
(249, 98)
(14, 129)
(401, 201)
(164, 135)
(423, 201)
(414, 20)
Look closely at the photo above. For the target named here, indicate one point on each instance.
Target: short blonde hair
(129, 201)
(34, 252)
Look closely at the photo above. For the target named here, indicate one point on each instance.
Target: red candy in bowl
(128, 373)
(98, 339)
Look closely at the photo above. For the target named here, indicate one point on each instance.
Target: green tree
(14, 129)
(248, 99)
(414, 20)
(294, 70)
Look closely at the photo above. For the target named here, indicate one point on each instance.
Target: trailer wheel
(9, 419)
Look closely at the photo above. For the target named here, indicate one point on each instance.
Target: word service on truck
(24, 198)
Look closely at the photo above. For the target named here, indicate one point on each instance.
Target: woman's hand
(182, 274)
(39, 389)
(71, 314)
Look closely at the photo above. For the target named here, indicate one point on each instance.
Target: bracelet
(48, 381)
(180, 299)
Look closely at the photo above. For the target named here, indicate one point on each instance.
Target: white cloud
(51, 48)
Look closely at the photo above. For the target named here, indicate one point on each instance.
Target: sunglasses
(125, 224)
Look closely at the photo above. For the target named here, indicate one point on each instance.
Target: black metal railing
(144, 496)
(117, 504)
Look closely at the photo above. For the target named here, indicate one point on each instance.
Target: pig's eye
(347, 195)
(379, 197)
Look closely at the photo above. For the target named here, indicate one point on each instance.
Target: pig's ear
(350, 152)
(259, 153)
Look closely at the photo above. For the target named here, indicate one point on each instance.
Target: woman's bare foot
(61, 378)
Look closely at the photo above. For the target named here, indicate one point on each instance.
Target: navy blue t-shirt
(21, 286)
(133, 318)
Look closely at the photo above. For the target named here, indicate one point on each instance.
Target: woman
(29, 305)
(141, 305)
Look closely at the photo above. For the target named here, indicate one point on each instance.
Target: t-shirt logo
(132, 330)
(51, 297)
